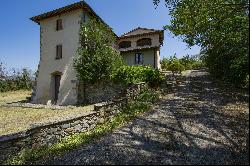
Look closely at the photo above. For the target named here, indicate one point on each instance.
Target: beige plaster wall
(129, 57)
(50, 38)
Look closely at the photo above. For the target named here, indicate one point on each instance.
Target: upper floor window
(59, 52)
(125, 44)
(84, 17)
(139, 58)
(144, 42)
(59, 25)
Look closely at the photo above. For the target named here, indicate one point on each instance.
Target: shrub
(96, 58)
(128, 75)
(15, 80)
(148, 95)
(175, 66)
(186, 63)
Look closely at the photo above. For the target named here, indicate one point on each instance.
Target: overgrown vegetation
(221, 29)
(128, 75)
(133, 109)
(178, 65)
(15, 80)
(96, 58)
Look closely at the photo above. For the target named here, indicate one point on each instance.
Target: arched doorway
(56, 79)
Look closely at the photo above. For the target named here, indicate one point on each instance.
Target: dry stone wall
(47, 134)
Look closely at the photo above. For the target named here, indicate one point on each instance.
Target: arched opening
(144, 42)
(125, 44)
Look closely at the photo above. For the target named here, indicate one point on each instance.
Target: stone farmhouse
(59, 40)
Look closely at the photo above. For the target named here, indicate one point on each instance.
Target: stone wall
(47, 134)
(106, 91)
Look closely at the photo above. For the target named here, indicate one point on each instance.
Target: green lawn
(17, 119)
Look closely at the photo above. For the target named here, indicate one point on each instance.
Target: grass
(31, 156)
(16, 119)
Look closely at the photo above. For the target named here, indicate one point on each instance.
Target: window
(138, 58)
(125, 44)
(144, 42)
(59, 52)
(59, 25)
(84, 17)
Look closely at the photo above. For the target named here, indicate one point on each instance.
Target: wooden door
(57, 86)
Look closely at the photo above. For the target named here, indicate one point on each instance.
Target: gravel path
(194, 123)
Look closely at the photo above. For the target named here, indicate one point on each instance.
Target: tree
(25, 79)
(164, 63)
(2, 71)
(96, 57)
(220, 28)
(175, 66)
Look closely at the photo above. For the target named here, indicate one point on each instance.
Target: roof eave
(79, 5)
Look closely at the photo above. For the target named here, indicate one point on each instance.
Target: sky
(20, 38)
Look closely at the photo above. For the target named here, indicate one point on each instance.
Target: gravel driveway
(194, 123)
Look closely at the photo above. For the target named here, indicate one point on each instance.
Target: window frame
(59, 24)
(139, 58)
(59, 52)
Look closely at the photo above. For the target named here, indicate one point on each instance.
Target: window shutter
(59, 52)
(59, 24)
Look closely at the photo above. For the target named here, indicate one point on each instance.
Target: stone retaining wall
(47, 134)
(105, 91)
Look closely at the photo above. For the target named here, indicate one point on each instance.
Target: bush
(186, 63)
(148, 95)
(128, 75)
(96, 58)
(175, 66)
(15, 80)
(198, 65)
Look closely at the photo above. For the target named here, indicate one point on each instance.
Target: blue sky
(19, 36)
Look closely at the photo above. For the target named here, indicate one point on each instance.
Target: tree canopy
(96, 57)
(221, 28)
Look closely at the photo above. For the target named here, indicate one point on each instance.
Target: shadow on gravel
(199, 124)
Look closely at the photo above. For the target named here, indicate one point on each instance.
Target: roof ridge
(137, 29)
(131, 31)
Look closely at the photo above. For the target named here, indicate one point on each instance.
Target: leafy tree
(164, 63)
(15, 80)
(2, 71)
(96, 58)
(187, 62)
(25, 79)
(175, 66)
(220, 28)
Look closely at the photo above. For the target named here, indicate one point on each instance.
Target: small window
(59, 52)
(125, 44)
(84, 17)
(144, 42)
(139, 58)
(59, 25)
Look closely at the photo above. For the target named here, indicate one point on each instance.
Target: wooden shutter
(59, 24)
(59, 52)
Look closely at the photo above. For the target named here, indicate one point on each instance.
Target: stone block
(65, 126)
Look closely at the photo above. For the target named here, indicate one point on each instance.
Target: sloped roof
(69, 8)
(143, 31)
(138, 31)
